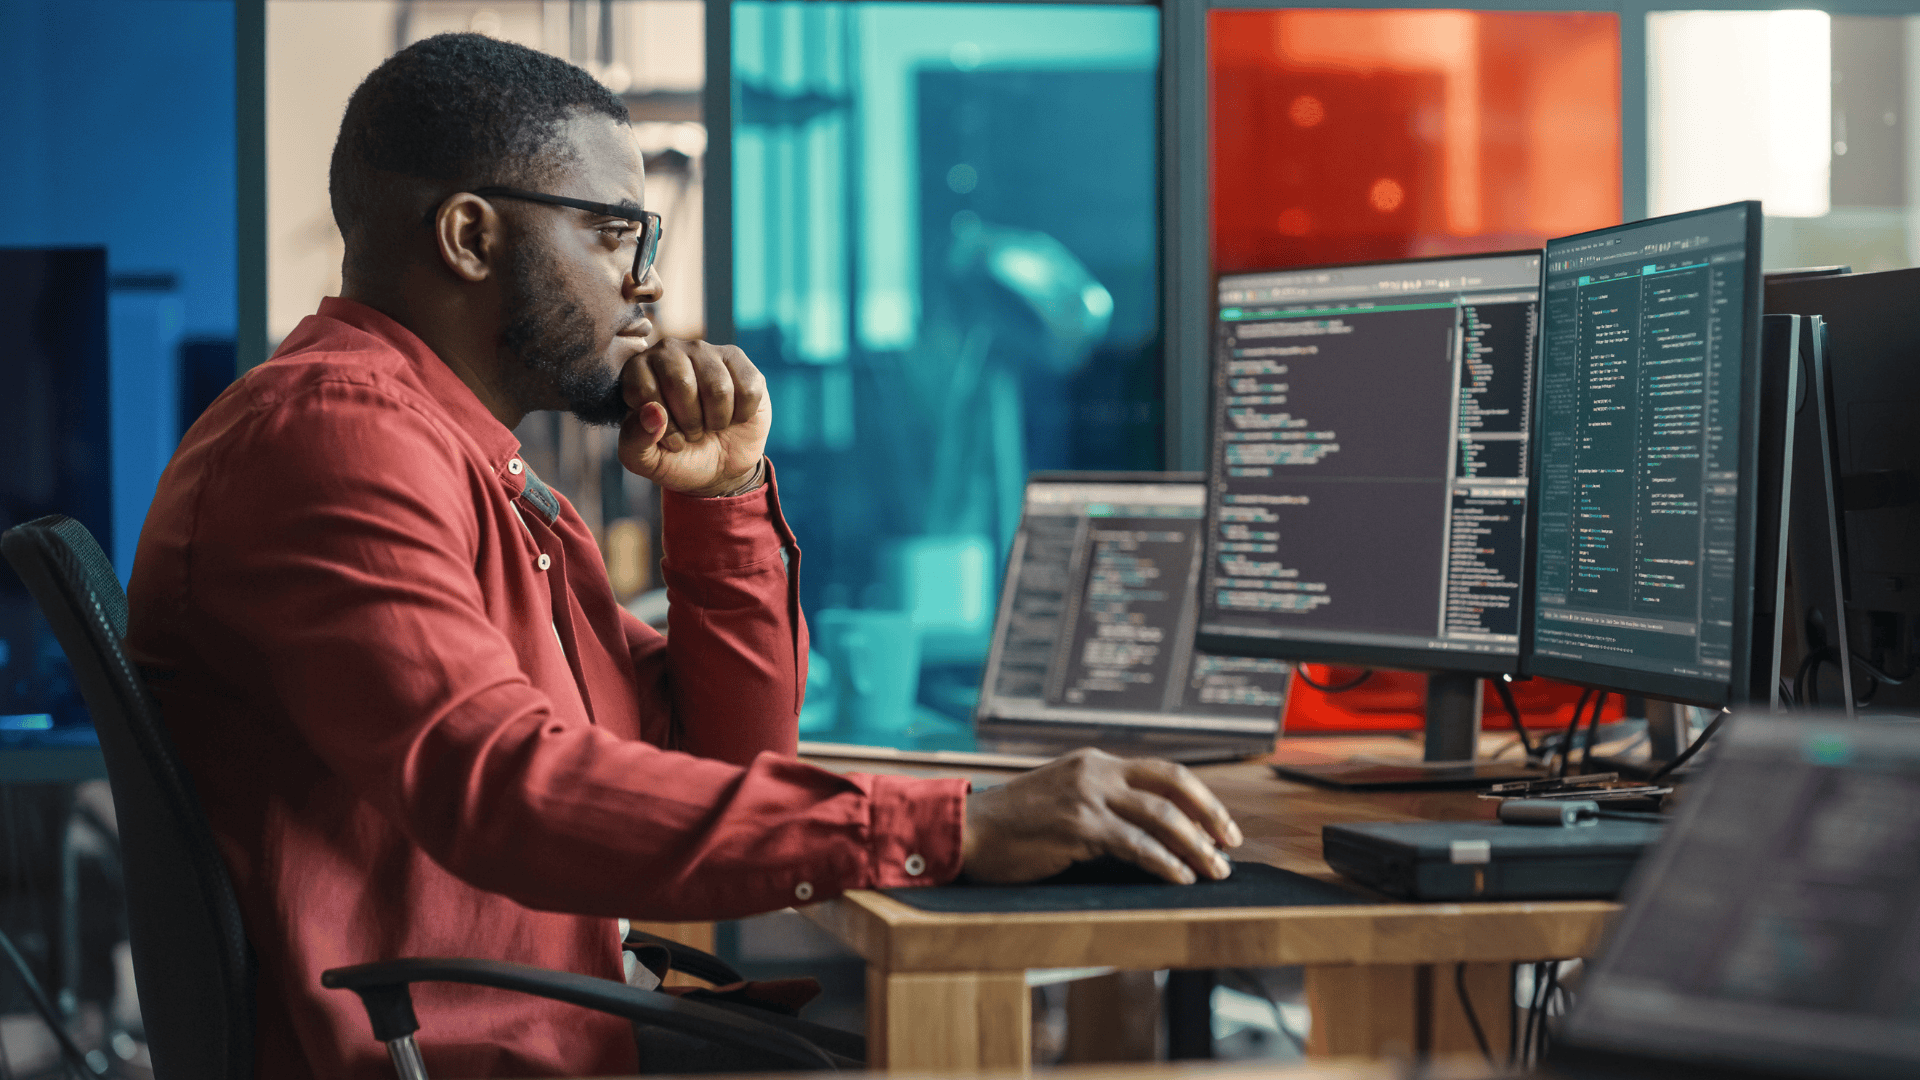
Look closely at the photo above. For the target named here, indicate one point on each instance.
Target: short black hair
(457, 111)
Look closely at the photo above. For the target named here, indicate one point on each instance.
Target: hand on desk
(1087, 804)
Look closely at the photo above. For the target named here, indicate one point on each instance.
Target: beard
(554, 347)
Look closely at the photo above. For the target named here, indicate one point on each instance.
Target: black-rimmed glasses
(649, 222)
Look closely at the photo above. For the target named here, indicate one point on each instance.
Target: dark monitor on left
(54, 426)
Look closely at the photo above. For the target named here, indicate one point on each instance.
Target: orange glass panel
(1341, 136)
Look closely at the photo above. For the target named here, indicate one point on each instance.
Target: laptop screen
(1096, 619)
(1779, 925)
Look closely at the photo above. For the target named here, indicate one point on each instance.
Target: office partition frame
(1185, 174)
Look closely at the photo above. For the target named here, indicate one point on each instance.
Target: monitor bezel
(1687, 689)
(1399, 657)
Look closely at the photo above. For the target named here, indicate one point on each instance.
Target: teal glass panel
(946, 263)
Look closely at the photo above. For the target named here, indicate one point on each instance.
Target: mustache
(637, 316)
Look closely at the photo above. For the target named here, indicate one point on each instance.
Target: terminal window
(1639, 426)
(1099, 613)
(1370, 461)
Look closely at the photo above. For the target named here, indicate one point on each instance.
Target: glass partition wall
(945, 259)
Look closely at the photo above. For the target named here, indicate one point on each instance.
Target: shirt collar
(496, 440)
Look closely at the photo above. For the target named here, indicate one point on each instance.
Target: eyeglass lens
(647, 246)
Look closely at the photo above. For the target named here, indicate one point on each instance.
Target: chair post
(406, 1058)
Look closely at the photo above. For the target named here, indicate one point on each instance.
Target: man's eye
(619, 233)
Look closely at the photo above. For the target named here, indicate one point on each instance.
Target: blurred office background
(964, 240)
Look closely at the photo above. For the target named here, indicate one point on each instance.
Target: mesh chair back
(190, 954)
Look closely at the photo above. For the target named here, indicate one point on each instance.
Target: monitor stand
(1453, 734)
(1666, 740)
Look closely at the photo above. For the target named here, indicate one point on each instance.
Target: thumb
(640, 435)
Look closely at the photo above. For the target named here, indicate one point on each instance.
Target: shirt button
(543, 562)
(514, 466)
(804, 890)
(916, 865)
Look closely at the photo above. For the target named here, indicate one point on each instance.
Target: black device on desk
(1776, 929)
(1367, 492)
(1573, 855)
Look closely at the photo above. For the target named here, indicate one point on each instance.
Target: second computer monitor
(1368, 478)
(1648, 437)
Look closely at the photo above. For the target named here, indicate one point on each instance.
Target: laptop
(1093, 638)
(1776, 931)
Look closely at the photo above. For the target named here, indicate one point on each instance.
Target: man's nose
(647, 291)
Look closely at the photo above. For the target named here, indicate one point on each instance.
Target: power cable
(1473, 1018)
(1687, 754)
(1573, 728)
(1501, 688)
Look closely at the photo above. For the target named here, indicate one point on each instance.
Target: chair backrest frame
(193, 965)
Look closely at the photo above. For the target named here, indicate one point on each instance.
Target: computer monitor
(1874, 390)
(1648, 434)
(54, 423)
(1367, 485)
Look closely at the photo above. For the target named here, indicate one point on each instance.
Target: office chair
(192, 962)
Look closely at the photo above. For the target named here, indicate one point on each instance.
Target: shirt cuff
(702, 534)
(914, 838)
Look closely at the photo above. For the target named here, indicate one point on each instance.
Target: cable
(1573, 728)
(1301, 670)
(1473, 1018)
(1593, 731)
(1513, 1015)
(1878, 675)
(1687, 754)
(1513, 713)
(76, 1059)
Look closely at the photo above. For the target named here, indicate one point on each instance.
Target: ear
(467, 233)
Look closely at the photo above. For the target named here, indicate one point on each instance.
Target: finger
(679, 387)
(1173, 829)
(1177, 782)
(716, 385)
(749, 386)
(1137, 846)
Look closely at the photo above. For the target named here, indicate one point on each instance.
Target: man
(416, 718)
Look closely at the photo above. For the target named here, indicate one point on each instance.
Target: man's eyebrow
(629, 210)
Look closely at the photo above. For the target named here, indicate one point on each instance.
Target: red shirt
(420, 725)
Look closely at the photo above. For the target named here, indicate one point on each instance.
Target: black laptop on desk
(1776, 931)
(1093, 639)
(1093, 642)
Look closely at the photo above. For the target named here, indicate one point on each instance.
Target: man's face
(571, 319)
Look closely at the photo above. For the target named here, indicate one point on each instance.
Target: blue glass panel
(946, 262)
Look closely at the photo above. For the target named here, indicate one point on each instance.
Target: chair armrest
(686, 958)
(383, 989)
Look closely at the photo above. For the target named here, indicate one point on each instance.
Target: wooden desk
(948, 992)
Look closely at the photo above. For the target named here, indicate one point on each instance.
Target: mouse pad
(1111, 885)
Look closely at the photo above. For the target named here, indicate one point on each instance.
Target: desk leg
(948, 1022)
(1405, 1010)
